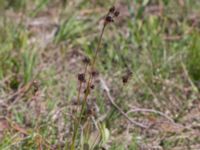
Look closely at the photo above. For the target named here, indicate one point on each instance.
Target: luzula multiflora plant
(109, 18)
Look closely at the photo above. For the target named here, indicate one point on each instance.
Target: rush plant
(109, 18)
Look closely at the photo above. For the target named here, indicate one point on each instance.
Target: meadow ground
(147, 72)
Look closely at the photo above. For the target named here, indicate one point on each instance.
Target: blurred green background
(45, 41)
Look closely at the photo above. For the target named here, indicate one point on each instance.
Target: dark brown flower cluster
(81, 77)
(127, 76)
(86, 60)
(113, 13)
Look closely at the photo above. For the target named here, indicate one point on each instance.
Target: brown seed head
(127, 76)
(81, 77)
(109, 19)
(116, 13)
(111, 15)
(125, 79)
(94, 73)
(92, 86)
(112, 9)
(86, 60)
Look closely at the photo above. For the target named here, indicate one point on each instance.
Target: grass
(45, 41)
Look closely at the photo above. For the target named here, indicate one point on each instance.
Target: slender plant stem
(80, 87)
(78, 97)
(87, 90)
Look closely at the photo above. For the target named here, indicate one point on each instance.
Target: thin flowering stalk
(108, 19)
(80, 86)
(87, 91)
(79, 93)
(93, 63)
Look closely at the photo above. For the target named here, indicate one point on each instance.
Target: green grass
(160, 48)
(193, 58)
